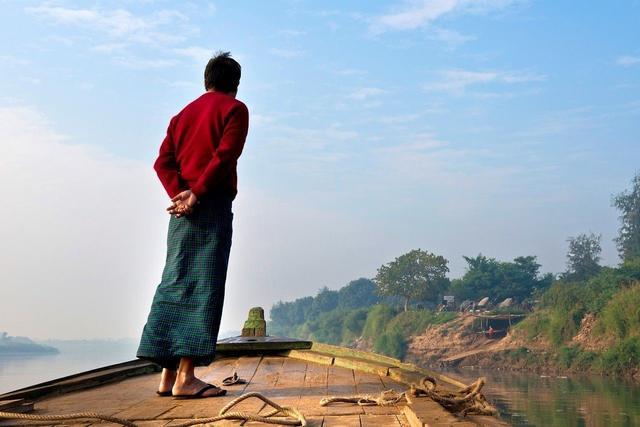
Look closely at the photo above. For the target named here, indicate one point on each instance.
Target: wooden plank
(402, 420)
(341, 382)
(391, 384)
(341, 421)
(290, 384)
(312, 356)
(361, 365)
(370, 384)
(16, 405)
(84, 380)
(426, 412)
(263, 381)
(358, 354)
(107, 399)
(370, 420)
(404, 376)
(314, 389)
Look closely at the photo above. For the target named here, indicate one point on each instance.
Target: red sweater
(202, 146)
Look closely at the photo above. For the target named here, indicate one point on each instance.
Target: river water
(526, 399)
(523, 399)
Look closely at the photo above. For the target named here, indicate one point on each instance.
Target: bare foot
(167, 379)
(191, 386)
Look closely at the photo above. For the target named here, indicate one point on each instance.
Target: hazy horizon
(499, 127)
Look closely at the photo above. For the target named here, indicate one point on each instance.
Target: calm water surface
(526, 399)
(24, 370)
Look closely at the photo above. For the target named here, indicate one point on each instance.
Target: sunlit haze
(458, 127)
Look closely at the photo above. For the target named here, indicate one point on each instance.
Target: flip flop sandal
(234, 379)
(199, 394)
(164, 393)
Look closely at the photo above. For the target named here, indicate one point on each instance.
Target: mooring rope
(386, 398)
(280, 415)
(467, 400)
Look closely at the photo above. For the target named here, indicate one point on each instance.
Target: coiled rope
(280, 415)
(467, 400)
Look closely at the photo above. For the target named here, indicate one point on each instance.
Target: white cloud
(117, 23)
(628, 60)
(197, 53)
(457, 80)
(417, 13)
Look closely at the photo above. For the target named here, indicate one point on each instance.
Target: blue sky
(456, 126)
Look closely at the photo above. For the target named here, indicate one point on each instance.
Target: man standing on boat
(197, 167)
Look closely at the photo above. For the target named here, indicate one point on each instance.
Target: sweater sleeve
(166, 165)
(229, 149)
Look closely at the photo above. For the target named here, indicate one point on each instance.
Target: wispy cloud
(197, 53)
(457, 80)
(418, 13)
(143, 63)
(116, 23)
(628, 60)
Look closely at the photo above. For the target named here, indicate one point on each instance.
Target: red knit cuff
(198, 190)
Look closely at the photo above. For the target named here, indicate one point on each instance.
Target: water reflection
(533, 400)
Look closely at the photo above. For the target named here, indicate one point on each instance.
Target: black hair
(222, 73)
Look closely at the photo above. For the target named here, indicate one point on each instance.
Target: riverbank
(457, 344)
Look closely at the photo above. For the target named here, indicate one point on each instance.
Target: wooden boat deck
(294, 378)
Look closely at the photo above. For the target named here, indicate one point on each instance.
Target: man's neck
(231, 94)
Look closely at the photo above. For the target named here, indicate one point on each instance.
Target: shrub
(622, 357)
(377, 320)
(621, 316)
(392, 343)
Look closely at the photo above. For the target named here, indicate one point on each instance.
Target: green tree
(628, 204)
(487, 277)
(358, 293)
(415, 275)
(583, 257)
(325, 301)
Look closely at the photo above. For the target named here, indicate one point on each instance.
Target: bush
(622, 357)
(621, 316)
(391, 343)
(353, 324)
(377, 319)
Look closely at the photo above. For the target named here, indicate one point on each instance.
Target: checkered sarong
(187, 306)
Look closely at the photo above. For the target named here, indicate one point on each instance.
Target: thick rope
(280, 415)
(467, 400)
(66, 417)
(386, 398)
